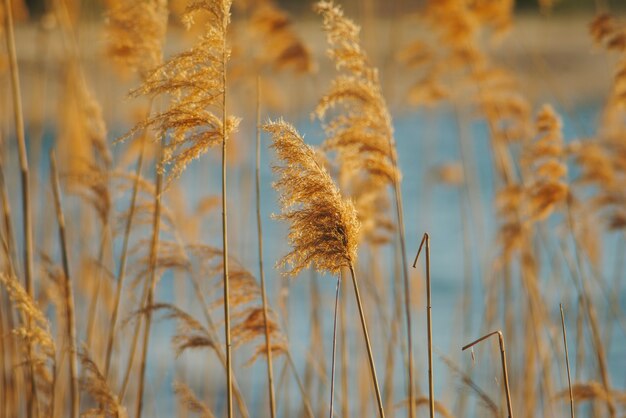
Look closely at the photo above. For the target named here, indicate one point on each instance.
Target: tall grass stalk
(429, 322)
(332, 367)
(569, 377)
(505, 374)
(68, 294)
(31, 397)
(123, 259)
(268, 346)
(229, 367)
(379, 400)
(154, 248)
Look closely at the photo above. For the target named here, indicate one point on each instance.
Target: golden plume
(323, 226)
(195, 79)
(135, 30)
(282, 48)
(359, 129)
(187, 398)
(95, 384)
(362, 132)
(248, 325)
(544, 160)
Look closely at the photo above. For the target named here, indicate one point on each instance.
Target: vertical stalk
(21, 147)
(154, 248)
(332, 368)
(31, 396)
(268, 346)
(305, 399)
(123, 259)
(505, 373)
(370, 355)
(429, 323)
(569, 377)
(229, 366)
(69, 297)
(407, 286)
(345, 397)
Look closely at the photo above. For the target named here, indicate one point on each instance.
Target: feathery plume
(195, 80)
(323, 227)
(95, 384)
(543, 159)
(135, 30)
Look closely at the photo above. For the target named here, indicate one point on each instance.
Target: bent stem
(332, 368)
(569, 378)
(379, 399)
(429, 322)
(505, 374)
(69, 297)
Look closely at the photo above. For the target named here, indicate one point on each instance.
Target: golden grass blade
(151, 284)
(32, 401)
(429, 323)
(569, 377)
(332, 368)
(270, 371)
(69, 296)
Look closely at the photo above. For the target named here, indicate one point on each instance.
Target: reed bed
(172, 246)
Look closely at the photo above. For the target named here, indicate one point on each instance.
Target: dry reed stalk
(505, 374)
(9, 236)
(270, 372)
(345, 397)
(323, 227)
(229, 372)
(123, 260)
(429, 322)
(332, 368)
(151, 283)
(589, 310)
(569, 377)
(243, 410)
(370, 355)
(31, 400)
(307, 404)
(21, 146)
(197, 78)
(69, 297)
(363, 138)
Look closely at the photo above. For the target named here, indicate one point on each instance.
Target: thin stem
(505, 373)
(229, 367)
(268, 346)
(429, 323)
(154, 247)
(569, 378)
(305, 398)
(31, 397)
(332, 368)
(69, 297)
(405, 275)
(123, 259)
(345, 399)
(381, 411)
